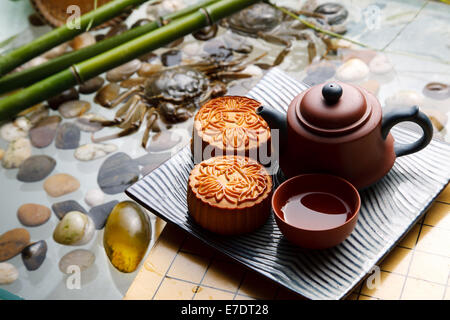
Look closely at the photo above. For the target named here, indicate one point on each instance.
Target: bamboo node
(76, 74)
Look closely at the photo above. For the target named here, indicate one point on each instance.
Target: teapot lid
(333, 109)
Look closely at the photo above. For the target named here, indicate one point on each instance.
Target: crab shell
(54, 12)
(176, 85)
(258, 17)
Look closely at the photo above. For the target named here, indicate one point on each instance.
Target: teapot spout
(275, 120)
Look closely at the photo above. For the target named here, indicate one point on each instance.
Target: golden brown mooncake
(229, 194)
(229, 125)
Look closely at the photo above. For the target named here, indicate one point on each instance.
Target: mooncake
(229, 194)
(229, 125)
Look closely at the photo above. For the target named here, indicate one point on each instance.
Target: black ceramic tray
(389, 210)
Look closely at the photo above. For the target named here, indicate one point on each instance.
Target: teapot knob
(331, 92)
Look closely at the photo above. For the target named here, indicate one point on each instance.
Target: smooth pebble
(44, 131)
(117, 173)
(75, 229)
(67, 136)
(193, 49)
(17, 152)
(61, 184)
(147, 69)
(62, 208)
(36, 168)
(380, 64)
(92, 85)
(8, 273)
(94, 197)
(32, 214)
(106, 95)
(14, 130)
(74, 108)
(404, 98)
(92, 151)
(352, 70)
(124, 71)
(80, 257)
(253, 70)
(34, 255)
(83, 40)
(12, 243)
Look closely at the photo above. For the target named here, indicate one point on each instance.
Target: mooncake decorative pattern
(229, 195)
(231, 121)
(234, 179)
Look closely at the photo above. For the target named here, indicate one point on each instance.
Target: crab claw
(152, 116)
(123, 133)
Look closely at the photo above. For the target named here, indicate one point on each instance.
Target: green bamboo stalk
(41, 91)
(31, 75)
(62, 34)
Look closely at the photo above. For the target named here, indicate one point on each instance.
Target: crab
(266, 22)
(172, 93)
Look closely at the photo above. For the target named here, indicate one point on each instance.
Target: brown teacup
(316, 211)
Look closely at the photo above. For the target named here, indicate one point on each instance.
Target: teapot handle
(408, 114)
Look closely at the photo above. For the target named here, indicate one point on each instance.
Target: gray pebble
(67, 136)
(61, 208)
(36, 168)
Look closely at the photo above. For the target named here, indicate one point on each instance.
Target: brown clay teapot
(338, 128)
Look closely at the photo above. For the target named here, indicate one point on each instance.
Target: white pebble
(253, 70)
(94, 197)
(164, 8)
(18, 151)
(192, 49)
(352, 70)
(404, 98)
(92, 151)
(10, 132)
(23, 123)
(380, 64)
(8, 273)
(172, 5)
